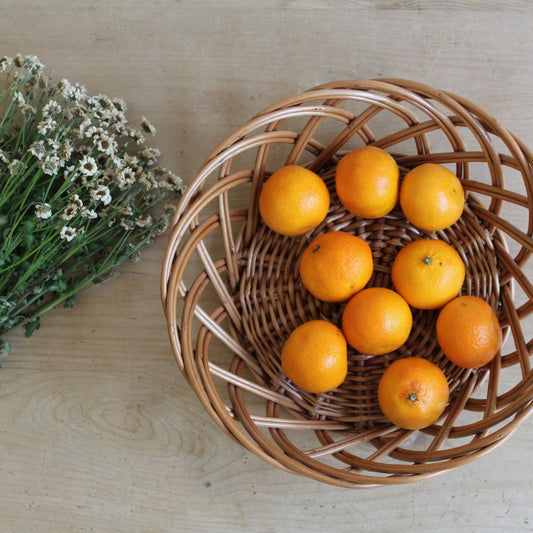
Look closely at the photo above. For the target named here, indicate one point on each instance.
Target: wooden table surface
(99, 430)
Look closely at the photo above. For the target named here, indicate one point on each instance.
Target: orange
(314, 357)
(468, 332)
(367, 182)
(293, 200)
(431, 197)
(428, 273)
(376, 321)
(336, 265)
(413, 393)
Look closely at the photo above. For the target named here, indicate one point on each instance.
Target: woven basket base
(272, 302)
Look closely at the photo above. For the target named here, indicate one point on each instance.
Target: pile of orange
(427, 274)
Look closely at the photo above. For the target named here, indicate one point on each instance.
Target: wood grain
(99, 430)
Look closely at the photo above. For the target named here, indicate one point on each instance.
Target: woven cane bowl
(232, 295)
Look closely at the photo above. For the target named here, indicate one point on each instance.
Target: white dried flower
(135, 134)
(65, 151)
(51, 164)
(176, 181)
(147, 127)
(105, 115)
(114, 162)
(28, 109)
(5, 63)
(93, 102)
(43, 211)
(15, 166)
(89, 213)
(169, 208)
(125, 178)
(92, 132)
(101, 193)
(150, 155)
(106, 143)
(18, 97)
(65, 88)
(69, 213)
(88, 166)
(83, 150)
(38, 149)
(67, 233)
(120, 104)
(51, 108)
(69, 172)
(19, 60)
(130, 160)
(144, 222)
(80, 92)
(148, 181)
(119, 125)
(106, 211)
(126, 223)
(52, 144)
(31, 63)
(75, 200)
(72, 208)
(162, 228)
(46, 126)
(82, 127)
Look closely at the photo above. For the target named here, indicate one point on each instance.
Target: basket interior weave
(232, 294)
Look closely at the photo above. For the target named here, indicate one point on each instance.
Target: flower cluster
(80, 192)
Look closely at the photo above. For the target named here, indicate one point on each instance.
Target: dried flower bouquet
(80, 192)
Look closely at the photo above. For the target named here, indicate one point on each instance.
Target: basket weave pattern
(232, 295)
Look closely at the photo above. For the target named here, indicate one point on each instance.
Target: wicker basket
(232, 295)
